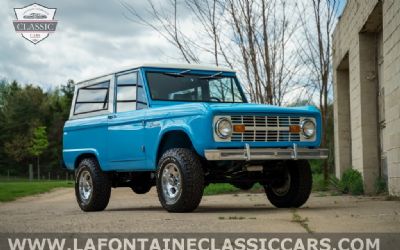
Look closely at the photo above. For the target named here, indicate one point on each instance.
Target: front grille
(265, 128)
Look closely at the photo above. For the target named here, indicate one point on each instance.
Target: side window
(92, 98)
(126, 92)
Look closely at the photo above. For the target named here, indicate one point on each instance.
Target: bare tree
(254, 36)
(165, 22)
(206, 14)
(315, 53)
(263, 35)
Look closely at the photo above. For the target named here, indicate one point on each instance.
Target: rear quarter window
(92, 98)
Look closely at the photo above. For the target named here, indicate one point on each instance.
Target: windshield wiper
(177, 74)
(216, 75)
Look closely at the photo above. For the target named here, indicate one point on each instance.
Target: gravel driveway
(57, 211)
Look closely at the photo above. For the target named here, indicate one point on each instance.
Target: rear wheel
(92, 186)
(292, 186)
(180, 180)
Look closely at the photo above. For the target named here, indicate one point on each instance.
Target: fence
(59, 175)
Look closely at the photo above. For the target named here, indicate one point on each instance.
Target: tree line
(31, 127)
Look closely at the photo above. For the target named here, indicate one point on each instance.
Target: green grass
(220, 188)
(11, 190)
(226, 188)
(380, 186)
(319, 184)
(351, 182)
(301, 221)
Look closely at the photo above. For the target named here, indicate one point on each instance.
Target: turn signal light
(294, 129)
(239, 128)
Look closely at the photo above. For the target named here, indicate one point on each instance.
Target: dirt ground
(57, 211)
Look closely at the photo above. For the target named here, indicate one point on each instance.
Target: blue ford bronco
(180, 128)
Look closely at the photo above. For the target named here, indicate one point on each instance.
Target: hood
(260, 108)
(231, 108)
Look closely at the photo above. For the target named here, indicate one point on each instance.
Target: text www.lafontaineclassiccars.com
(193, 243)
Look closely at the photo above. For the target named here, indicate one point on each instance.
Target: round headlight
(223, 128)
(308, 128)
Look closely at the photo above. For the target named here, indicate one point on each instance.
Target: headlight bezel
(304, 129)
(223, 135)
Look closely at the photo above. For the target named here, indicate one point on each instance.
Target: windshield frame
(201, 73)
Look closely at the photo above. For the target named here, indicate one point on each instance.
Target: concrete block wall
(356, 141)
(391, 49)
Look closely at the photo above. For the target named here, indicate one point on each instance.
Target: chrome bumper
(248, 154)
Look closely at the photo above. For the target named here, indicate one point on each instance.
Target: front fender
(197, 140)
(196, 126)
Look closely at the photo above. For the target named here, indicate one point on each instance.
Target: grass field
(11, 190)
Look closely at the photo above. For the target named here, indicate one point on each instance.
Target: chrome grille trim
(260, 128)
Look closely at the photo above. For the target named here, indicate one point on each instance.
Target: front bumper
(247, 154)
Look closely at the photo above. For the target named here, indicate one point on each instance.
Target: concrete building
(366, 64)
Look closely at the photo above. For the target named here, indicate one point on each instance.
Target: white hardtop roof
(186, 66)
(168, 66)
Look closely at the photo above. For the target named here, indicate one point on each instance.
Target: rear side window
(126, 92)
(92, 98)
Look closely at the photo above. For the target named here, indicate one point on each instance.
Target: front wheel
(92, 186)
(291, 186)
(180, 180)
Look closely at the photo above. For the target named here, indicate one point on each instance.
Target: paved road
(57, 211)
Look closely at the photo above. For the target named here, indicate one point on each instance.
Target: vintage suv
(180, 128)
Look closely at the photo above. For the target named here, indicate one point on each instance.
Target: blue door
(126, 150)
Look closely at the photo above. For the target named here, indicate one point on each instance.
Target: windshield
(193, 88)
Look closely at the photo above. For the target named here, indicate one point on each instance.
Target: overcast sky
(92, 38)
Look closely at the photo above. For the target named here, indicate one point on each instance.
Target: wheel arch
(173, 139)
(84, 156)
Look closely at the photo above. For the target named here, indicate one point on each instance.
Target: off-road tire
(192, 178)
(101, 190)
(300, 186)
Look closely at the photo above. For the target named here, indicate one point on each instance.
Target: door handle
(112, 116)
